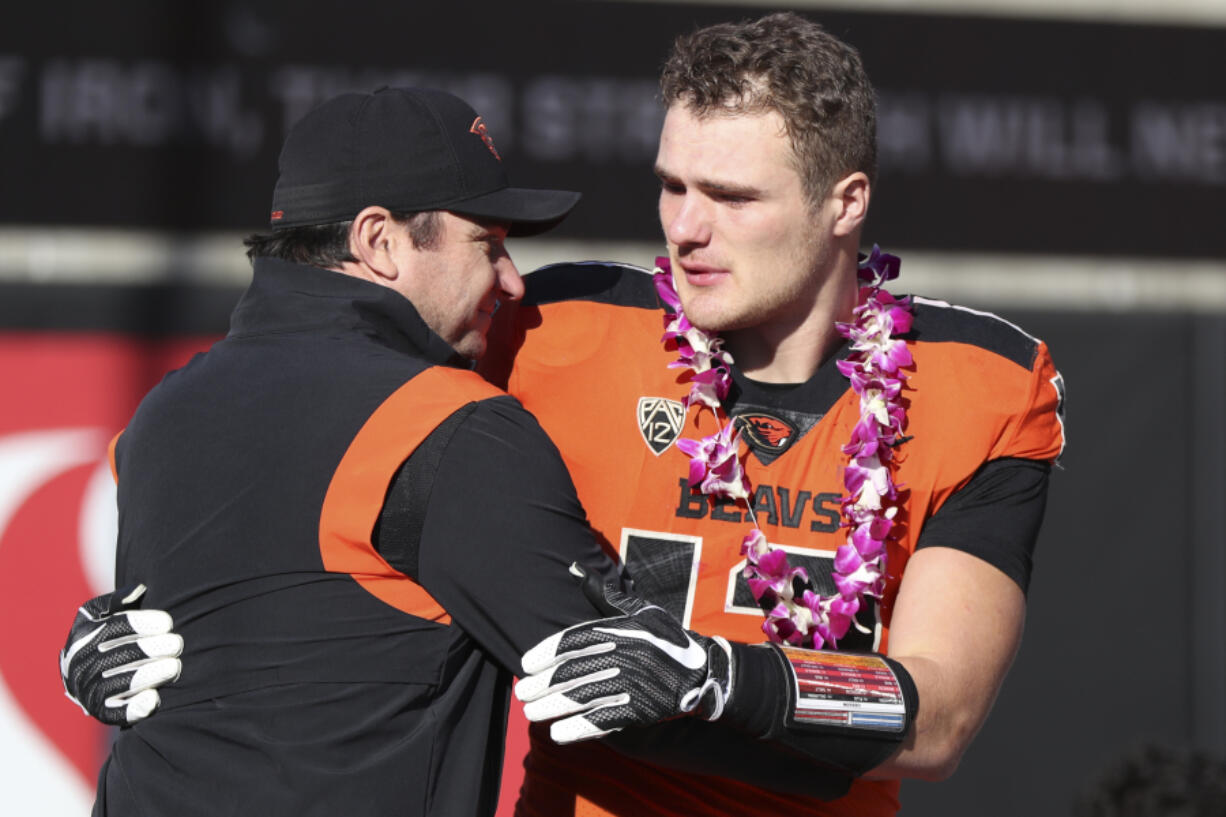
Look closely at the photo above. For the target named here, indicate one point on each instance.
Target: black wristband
(846, 711)
(759, 685)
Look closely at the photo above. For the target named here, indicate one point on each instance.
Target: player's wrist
(847, 711)
(758, 691)
(709, 701)
(768, 679)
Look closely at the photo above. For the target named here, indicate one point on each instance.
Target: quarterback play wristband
(849, 690)
(848, 711)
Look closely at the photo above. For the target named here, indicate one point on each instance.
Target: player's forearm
(957, 627)
(842, 711)
(790, 753)
(942, 733)
(954, 709)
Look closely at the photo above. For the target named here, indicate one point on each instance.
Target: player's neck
(790, 351)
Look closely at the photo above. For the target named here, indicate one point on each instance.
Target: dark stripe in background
(160, 310)
(996, 134)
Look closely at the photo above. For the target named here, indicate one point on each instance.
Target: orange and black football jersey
(590, 366)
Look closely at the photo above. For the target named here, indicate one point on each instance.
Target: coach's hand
(639, 666)
(116, 656)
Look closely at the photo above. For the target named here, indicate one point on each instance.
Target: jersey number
(664, 570)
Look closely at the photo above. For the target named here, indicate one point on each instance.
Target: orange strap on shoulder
(110, 455)
(355, 496)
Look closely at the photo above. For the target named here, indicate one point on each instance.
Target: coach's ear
(849, 203)
(373, 241)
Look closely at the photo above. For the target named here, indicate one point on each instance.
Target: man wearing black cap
(350, 527)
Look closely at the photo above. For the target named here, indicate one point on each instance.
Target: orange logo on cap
(478, 127)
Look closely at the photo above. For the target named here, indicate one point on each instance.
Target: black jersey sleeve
(995, 516)
(485, 517)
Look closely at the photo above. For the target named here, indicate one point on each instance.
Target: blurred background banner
(1063, 164)
(171, 115)
(67, 394)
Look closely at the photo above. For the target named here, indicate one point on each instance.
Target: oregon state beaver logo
(771, 431)
(478, 127)
(767, 432)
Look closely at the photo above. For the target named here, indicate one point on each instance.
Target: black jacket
(348, 649)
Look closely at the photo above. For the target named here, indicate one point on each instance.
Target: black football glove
(116, 656)
(637, 667)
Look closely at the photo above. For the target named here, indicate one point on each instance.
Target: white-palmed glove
(637, 667)
(117, 655)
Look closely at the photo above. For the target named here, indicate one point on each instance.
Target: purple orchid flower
(879, 267)
(715, 466)
(663, 277)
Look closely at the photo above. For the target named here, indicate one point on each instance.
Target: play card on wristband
(844, 690)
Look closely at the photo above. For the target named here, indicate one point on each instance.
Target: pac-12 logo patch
(767, 432)
(660, 422)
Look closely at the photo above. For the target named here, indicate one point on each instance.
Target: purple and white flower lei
(795, 614)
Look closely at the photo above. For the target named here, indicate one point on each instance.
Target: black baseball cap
(406, 149)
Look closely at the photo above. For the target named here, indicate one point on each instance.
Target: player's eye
(732, 198)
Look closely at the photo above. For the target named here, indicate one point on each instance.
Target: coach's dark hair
(327, 245)
(785, 63)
